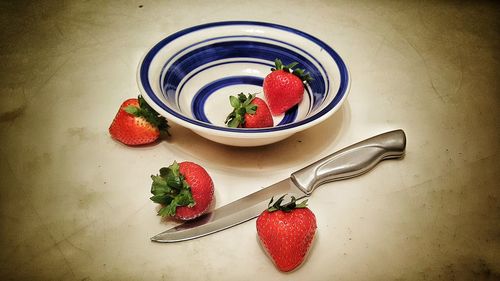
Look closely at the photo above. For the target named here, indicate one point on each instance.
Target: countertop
(74, 203)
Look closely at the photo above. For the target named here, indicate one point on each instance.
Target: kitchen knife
(346, 163)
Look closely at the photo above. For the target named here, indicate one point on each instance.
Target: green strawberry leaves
(171, 190)
(241, 105)
(288, 206)
(146, 111)
(299, 72)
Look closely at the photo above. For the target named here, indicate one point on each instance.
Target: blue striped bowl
(188, 78)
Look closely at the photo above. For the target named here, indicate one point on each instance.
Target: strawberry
(284, 87)
(185, 190)
(249, 112)
(137, 123)
(286, 232)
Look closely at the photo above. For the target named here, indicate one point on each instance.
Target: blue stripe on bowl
(290, 116)
(146, 85)
(191, 75)
(238, 49)
(198, 102)
(236, 38)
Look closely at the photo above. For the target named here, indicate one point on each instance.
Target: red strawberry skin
(132, 130)
(262, 117)
(287, 236)
(202, 190)
(282, 90)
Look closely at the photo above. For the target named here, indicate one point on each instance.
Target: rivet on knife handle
(351, 161)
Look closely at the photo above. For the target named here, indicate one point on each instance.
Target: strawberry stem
(171, 190)
(288, 206)
(299, 72)
(147, 112)
(242, 105)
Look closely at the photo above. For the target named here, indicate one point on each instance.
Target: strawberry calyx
(287, 207)
(147, 112)
(299, 72)
(242, 105)
(171, 190)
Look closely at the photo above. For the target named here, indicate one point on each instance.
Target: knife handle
(351, 161)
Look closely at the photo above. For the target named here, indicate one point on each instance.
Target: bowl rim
(207, 128)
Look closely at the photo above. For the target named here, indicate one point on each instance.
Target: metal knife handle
(351, 161)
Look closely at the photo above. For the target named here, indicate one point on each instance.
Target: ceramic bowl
(188, 78)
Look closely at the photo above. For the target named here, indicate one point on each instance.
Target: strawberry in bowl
(284, 86)
(249, 112)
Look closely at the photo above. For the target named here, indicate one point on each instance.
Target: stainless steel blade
(227, 216)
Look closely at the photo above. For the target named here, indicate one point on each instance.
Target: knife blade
(348, 162)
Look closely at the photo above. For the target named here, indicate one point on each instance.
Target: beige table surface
(74, 204)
